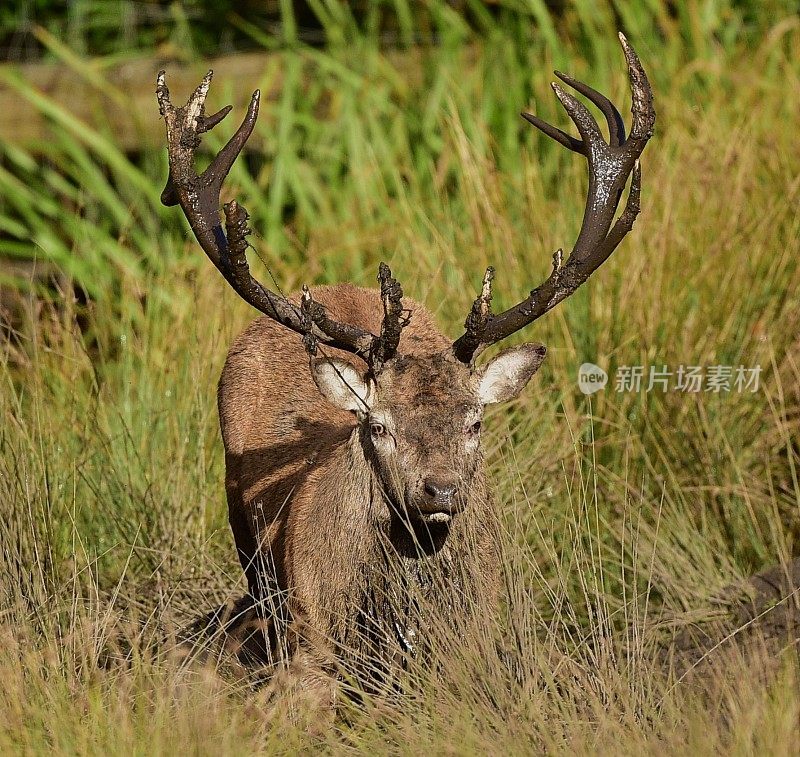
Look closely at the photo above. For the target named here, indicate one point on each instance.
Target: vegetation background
(391, 132)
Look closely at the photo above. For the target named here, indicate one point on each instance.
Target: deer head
(419, 417)
(420, 421)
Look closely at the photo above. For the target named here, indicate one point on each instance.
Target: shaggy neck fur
(409, 578)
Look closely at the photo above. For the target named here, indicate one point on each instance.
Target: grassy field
(627, 513)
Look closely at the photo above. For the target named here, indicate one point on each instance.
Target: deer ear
(341, 384)
(506, 375)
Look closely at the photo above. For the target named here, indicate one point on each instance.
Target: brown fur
(317, 537)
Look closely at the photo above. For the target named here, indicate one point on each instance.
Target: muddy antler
(610, 165)
(198, 197)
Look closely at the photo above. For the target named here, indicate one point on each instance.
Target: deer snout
(440, 497)
(439, 491)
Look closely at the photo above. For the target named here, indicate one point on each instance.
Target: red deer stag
(351, 423)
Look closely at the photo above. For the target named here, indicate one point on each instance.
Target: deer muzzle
(439, 500)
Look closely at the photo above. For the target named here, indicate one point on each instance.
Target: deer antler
(610, 165)
(198, 197)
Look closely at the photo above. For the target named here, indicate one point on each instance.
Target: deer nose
(440, 493)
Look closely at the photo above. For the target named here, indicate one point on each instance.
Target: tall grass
(627, 513)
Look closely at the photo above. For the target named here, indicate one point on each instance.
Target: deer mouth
(435, 513)
(422, 509)
(440, 517)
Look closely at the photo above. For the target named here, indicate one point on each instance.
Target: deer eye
(474, 429)
(377, 429)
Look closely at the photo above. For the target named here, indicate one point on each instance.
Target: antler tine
(198, 197)
(393, 318)
(644, 115)
(222, 163)
(567, 140)
(610, 165)
(209, 122)
(616, 126)
(479, 315)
